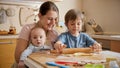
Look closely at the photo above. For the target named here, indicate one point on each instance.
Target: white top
(31, 49)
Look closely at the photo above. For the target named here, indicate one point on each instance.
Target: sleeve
(25, 31)
(89, 40)
(62, 38)
(26, 53)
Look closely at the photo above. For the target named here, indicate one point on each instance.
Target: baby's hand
(21, 65)
(59, 46)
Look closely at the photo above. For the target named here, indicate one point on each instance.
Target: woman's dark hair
(46, 6)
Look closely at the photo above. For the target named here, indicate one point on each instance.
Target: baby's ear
(39, 15)
(30, 41)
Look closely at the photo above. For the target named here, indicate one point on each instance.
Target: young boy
(74, 38)
(37, 38)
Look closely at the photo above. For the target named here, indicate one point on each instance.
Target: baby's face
(38, 37)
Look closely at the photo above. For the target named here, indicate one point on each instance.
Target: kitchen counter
(9, 36)
(108, 37)
(109, 42)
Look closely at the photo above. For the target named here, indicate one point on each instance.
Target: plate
(10, 12)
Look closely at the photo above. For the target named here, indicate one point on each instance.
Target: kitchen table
(38, 60)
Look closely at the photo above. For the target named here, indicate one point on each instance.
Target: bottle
(113, 64)
(12, 30)
(84, 21)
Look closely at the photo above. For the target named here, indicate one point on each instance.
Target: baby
(37, 43)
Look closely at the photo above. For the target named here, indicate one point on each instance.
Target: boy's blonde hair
(72, 14)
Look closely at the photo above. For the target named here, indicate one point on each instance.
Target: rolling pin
(73, 50)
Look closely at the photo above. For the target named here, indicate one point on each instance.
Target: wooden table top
(42, 58)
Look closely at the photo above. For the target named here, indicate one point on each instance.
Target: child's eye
(40, 36)
(78, 23)
(72, 24)
(34, 37)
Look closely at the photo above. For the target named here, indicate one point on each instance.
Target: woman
(48, 18)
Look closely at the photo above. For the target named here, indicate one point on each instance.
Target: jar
(12, 30)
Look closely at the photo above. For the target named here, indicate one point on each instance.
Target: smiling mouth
(74, 29)
(50, 26)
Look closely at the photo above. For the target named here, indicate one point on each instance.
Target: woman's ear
(39, 15)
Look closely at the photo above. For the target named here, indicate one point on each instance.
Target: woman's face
(74, 27)
(49, 20)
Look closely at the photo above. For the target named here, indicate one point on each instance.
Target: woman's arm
(20, 47)
(22, 41)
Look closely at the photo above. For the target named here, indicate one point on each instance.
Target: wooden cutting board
(42, 58)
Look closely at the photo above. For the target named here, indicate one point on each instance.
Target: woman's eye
(56, 19)
(49, 18)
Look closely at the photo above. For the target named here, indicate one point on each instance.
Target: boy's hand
(96, 47)
(59, 46)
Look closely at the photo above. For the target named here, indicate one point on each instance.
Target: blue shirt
(82, 40)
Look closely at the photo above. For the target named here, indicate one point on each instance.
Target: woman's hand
(96, 47)
(59, 46)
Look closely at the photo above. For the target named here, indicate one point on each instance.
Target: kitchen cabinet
(7, 48)
(107, 44)
(115, 45)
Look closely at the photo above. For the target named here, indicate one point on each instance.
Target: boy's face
(75, 26)
(38, 37)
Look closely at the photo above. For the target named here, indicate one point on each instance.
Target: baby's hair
(72, 14)
(34, 29)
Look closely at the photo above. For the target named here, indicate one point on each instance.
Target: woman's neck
(40, 25)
